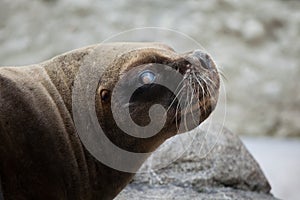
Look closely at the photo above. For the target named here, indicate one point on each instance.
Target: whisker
(204, 77)
(214, 84)
(203, 91)
(221, 72)
(186, 108)
(209, 88)
(191, 100)
(177, 93)
(176, 111)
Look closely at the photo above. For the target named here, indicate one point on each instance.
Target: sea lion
(41, 153)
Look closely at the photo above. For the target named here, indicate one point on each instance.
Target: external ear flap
(105, 95)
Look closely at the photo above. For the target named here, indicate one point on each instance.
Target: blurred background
(255, 43)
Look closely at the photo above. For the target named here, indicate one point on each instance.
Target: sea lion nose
(197, 59)
(204, 58)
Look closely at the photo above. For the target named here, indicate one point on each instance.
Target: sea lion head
(184, 85)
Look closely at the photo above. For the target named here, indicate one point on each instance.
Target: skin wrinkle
(77, 149)
(40, 113)
(53, 95)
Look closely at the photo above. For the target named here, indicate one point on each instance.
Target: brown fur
(41, 156)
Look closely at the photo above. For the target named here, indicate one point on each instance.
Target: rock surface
(215, 166)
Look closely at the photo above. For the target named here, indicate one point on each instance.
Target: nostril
(184, 68)
(203, 58)
(194, 60)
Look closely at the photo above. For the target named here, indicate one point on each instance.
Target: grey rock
(215, 166)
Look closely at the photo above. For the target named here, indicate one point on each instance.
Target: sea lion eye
(147, 77)
(105, 94)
